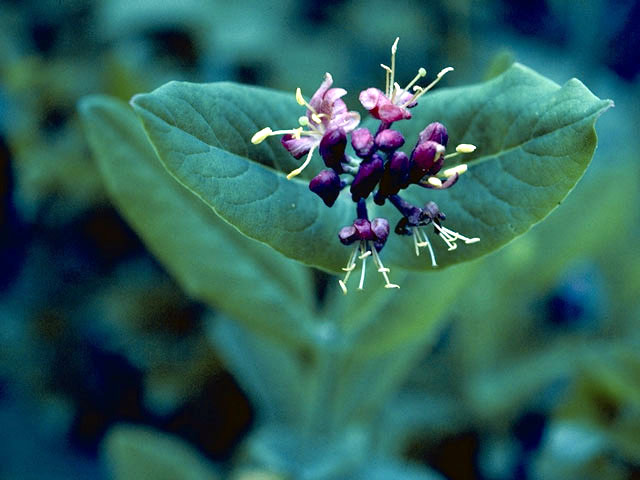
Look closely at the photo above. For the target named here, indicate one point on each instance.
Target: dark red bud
(389, 140)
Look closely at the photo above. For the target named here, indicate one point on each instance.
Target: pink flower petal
(317, 97)
(298, 147)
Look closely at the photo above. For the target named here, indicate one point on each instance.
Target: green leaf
(210, 259)
(139, 453)
(534, 138)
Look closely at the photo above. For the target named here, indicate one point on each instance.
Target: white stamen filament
(364, 265)
(351, 265)
(420, 239)
(387, 76)
(381, 268)
(448, 239)
(396, 90)
(394, 48)
(460, 236)
(421, 73)
(416, 242)
(421, 91)
(299, 170)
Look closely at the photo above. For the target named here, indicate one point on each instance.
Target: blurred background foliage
(535, 375)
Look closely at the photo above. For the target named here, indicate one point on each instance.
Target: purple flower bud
(332, 148)
(380, 227)
(394, 178)
(435, 132)
(348, 235)
(363, 227)
(426, 159)
(389, 140)
(327, 186)
(367, 177)
(362, 142)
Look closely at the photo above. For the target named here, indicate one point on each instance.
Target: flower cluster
(379, 169)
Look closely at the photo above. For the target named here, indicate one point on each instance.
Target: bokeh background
(537, 374)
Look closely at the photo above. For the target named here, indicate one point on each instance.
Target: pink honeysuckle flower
(394, 103)
(326, 112)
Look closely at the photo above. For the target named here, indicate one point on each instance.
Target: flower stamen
(420, 239)
(299, 170)
(381, 268)
(421, 91)
(394, 49)
(363, 257)
(457, 235)
(351, 266)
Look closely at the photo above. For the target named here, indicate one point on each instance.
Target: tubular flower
(379, 168)
(414, 219)
(326, 113)
(370, 238)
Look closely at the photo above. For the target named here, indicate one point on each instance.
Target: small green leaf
(140, 453)
(534, 138)
(211, 260)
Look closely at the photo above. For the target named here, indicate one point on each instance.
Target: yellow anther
(435, 181)
(465, 148)
(387, 69)
(343, 286)
(301, 101)
(364, 255)
(394, 47)
(444, 71)
(460, 169)
(316, 118)
(260, 136)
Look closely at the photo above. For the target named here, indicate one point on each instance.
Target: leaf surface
(208, 257)
(535, 140)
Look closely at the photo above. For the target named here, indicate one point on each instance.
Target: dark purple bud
(380, 227)
(327, 186)
(432, 211)
(367, 177)
(362, 142)
(389, 140)
(402, 227)
(363, 227)
(395, 176)
(332, 148)
(435, 132)
(348, 235)
(426, 159)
